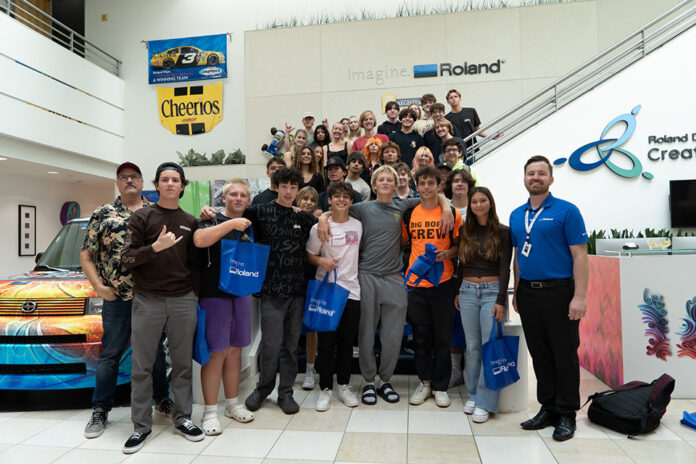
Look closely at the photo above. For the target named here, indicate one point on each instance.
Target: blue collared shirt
(558, 226)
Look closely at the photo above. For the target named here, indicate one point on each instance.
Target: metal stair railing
(53, 29)
(580, 80)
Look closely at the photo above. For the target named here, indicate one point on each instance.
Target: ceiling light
(2, 158)
(52, 172)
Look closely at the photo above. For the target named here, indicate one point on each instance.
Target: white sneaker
(308, 383)
(421, 394)
(480, 415)
(442, 399)
(323, 400)
(469, 407)
(346, 395)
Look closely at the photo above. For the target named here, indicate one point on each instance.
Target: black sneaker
(165, 407)
(190, 431)
(135, 442)
(96, 424)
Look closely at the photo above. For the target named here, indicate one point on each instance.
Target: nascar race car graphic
(50, 322)
(180, 57)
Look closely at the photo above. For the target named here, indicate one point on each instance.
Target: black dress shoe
(565, 429)
(543, 419)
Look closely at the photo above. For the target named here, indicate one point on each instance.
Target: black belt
(550, 283)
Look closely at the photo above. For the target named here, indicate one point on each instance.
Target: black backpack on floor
(633, 408)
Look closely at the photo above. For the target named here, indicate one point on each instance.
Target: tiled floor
(385, 433)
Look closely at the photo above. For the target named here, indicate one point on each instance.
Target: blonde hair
(444, 122)
(307, 191)
(383, 169)
(363, 115)
(237, 181)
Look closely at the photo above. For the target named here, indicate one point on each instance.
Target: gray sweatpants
(383, 304)
(152, 314)
(281, 326)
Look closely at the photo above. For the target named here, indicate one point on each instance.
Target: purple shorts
(228, 322)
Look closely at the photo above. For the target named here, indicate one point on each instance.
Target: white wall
(52, 98)
(132, 21)
(663, 83)
(48, 196)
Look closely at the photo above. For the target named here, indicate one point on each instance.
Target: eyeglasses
(452, 150)
(124, 177)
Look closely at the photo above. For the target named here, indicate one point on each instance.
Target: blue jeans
(476, 303)
(116, 323)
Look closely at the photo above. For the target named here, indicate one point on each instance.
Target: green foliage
(193, 158)
(615, 233)
(406, 9)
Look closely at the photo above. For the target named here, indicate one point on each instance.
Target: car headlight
(93, 306)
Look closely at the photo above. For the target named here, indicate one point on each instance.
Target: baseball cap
(129, 165)
(307, 114)
(444, 165)
(336, 161)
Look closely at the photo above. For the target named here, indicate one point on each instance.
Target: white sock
(310, 366)
(209, 411)
(230, 403)
(456, 361)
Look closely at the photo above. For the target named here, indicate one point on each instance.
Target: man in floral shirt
(101, 262)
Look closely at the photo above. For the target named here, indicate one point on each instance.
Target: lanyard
(528, 225)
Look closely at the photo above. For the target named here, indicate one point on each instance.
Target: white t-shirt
(344, 245)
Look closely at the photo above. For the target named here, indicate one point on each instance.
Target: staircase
(582, 79)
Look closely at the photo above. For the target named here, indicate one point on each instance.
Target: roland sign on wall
(190, 110)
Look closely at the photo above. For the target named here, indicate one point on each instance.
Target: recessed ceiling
(21, 168)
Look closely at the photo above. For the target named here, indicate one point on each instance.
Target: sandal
(387, 393)
(239, 413)
(368, 395)
(211, 426)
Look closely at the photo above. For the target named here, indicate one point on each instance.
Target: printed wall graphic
(216, 192)
(190, 110)
(27, 230)
(655, 317)
(69, 211)
(187, 59)
(687, 347)
(601, 350)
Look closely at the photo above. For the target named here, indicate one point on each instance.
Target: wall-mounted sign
(456, 69)
(607, 146)
(187, 59)
(190, 110)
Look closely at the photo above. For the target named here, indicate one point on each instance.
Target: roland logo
(456, 69)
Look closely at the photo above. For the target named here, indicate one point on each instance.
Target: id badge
(526, 248)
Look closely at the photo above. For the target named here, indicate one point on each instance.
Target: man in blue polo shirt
(551, 272)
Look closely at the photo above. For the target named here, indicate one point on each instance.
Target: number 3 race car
(185, 56)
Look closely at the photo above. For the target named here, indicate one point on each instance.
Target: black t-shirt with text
(286, 232)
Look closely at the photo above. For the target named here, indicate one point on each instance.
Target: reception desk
(641, 318)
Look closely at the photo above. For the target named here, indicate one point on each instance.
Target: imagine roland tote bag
(324, 304)
(499, 358)
(242, 265)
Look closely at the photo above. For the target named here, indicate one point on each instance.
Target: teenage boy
(101, 262)
(390, 154)
(160, 253)
(426, 120)
(308, 123)
(228, 317)
(392, 123)
(335, 172)
(356, 163)
(407, 139)
(340, 254)
(464, 120)
(270, 193)
(382, 294)
(429, 303)
(286, 231)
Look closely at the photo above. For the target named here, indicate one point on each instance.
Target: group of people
(154, 263)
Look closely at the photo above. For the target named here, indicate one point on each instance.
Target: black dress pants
(340, 342)
(553, 342)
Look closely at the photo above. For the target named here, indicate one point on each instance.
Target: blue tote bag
(242, 265)
(425, 267)
(201, 350)
(499, 359)
(324, 304)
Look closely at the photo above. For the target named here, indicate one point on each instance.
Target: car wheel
(168, 63)
(213, 60)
